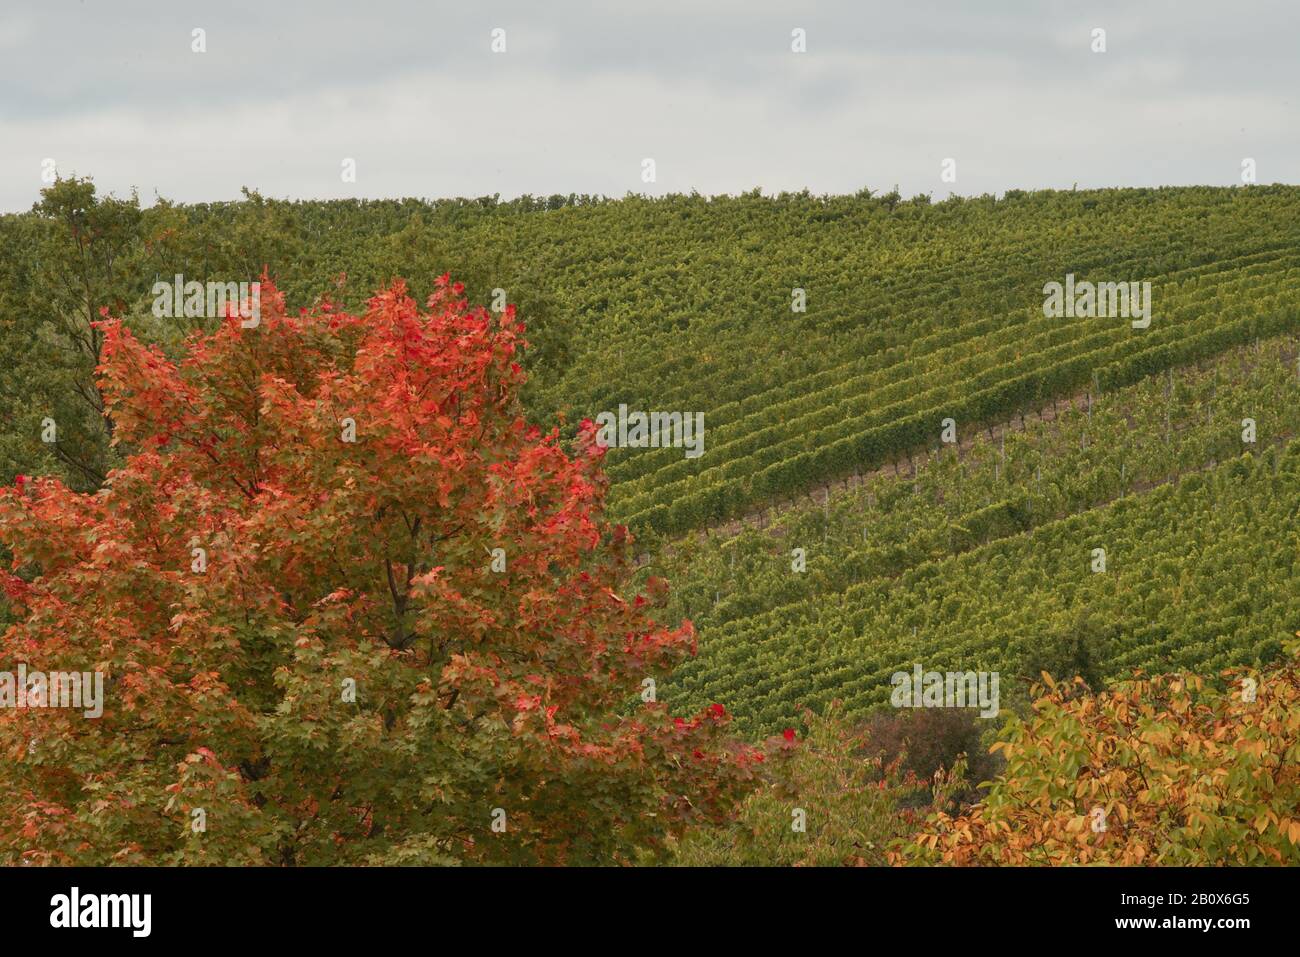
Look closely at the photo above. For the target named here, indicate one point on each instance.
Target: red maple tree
(350, 608)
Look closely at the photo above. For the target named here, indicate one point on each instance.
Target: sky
(584, 93)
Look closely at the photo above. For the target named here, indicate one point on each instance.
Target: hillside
(1071, 432)
(986, 561)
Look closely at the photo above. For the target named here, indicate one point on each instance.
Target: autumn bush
(1164, 770)
(350, 608)
(1171, 770)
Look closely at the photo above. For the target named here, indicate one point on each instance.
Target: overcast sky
(709, 89)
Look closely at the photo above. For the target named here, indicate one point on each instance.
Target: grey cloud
(587, 89)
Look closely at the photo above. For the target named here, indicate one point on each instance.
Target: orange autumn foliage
(411, 647)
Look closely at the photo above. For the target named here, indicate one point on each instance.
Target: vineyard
(983, 558)
(1005, 480)
(825, 421)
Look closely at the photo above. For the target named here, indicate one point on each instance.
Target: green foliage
(75, 254)
(833, 785)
